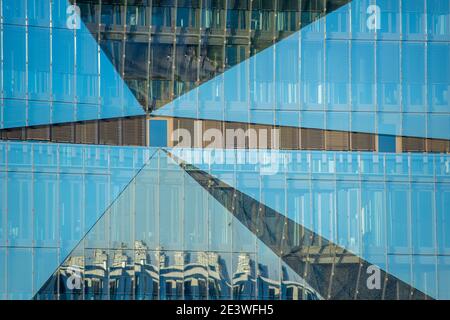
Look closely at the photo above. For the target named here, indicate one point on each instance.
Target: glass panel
(63, 67)
(244, 287)
(45, 209)
(38, 63)
(20, 274)
(121, 269)
(146, 274)
(423, 219)
(219, 276)
(20, 219)
(196, 276)
(171, 275)
(269, 274)
(14, 61)
(398, 217)
(45, 261)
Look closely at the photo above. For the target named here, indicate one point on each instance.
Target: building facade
(225, 149)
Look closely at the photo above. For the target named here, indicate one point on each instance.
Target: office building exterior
(225, 149)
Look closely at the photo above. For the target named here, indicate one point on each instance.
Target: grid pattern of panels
(50, 195)
(54, 72)
(390, 210)
(165, 237)
(341, 73)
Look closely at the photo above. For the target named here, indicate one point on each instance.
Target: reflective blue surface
(50, 196)
(56, 74)
(334, 75)
(388, 209)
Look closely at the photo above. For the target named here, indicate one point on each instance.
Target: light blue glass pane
(373, 228)
(97, 159)
(14, 113)
(45, 209)
(312, 72)
(443, 217)
(389, 19)
(338, 23)
(312, 119)
(45, 263)
(389, 123)
(147, 203)
(337, 74)
(359, 10)
(269, 273)
(388, 76)
(398, 217)
(413, 18)
(38, 113)
(210, 102)
(438, 19)
(400, 266)
(71, 158)
(262, 80)
(63, 112)
(196, 216)
(220, 226)
(19, 157)
(38, 63)
(287, 118)
(96, 198)
(59, 15)
(3, 227)
(121, 219)
(413, 75)
(438, 126)
(20, 274)
(414, 125)
(19, 199)
(71, 211)
(363, 121)
(287, 76)
(424, 274)
(14, 11)
(363, 76)
(38, 12)
(438, 76)
(87, 70)
(3, 273)
(111, 89)
(87, 111)
(299, 204)
(14, 63)
(423, 218)
(171, 199)
(347, 210)
(45, 157)
(63, 68)
(323, 208)
(444, 277)
(243, 240)
(338, 121)
(273, 192)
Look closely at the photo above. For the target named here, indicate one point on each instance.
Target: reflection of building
(362, 177)
(113, 275)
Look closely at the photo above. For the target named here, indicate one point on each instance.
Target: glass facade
(276, 150)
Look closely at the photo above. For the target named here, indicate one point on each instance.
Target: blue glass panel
(269, 274)
(424, 274)
(20, 217)
(422, 218)
(413, 75)
(87, 72)
(59, 13)
(45, 210)
(38, 12)
(39, 112)
(96, 196)
(360, 15)
(3, 226)
(20, 274)
(3, 274)
(19, 156)
(337, 74)
(438, 19)
(71, 211)
(388, 76)
(38, 64)
(444, 277)
(386, 143)
(363, 76)
(14, 63)
(347, 210)
(312, 73)
(45, 157)
(443, 217)
(63, 66)
(195, 206)
(413, 18)
(14, 113)
(44, 264)
(389, 19)
(414, 124)
(398, 217)
(14, 11)
(438, 76)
